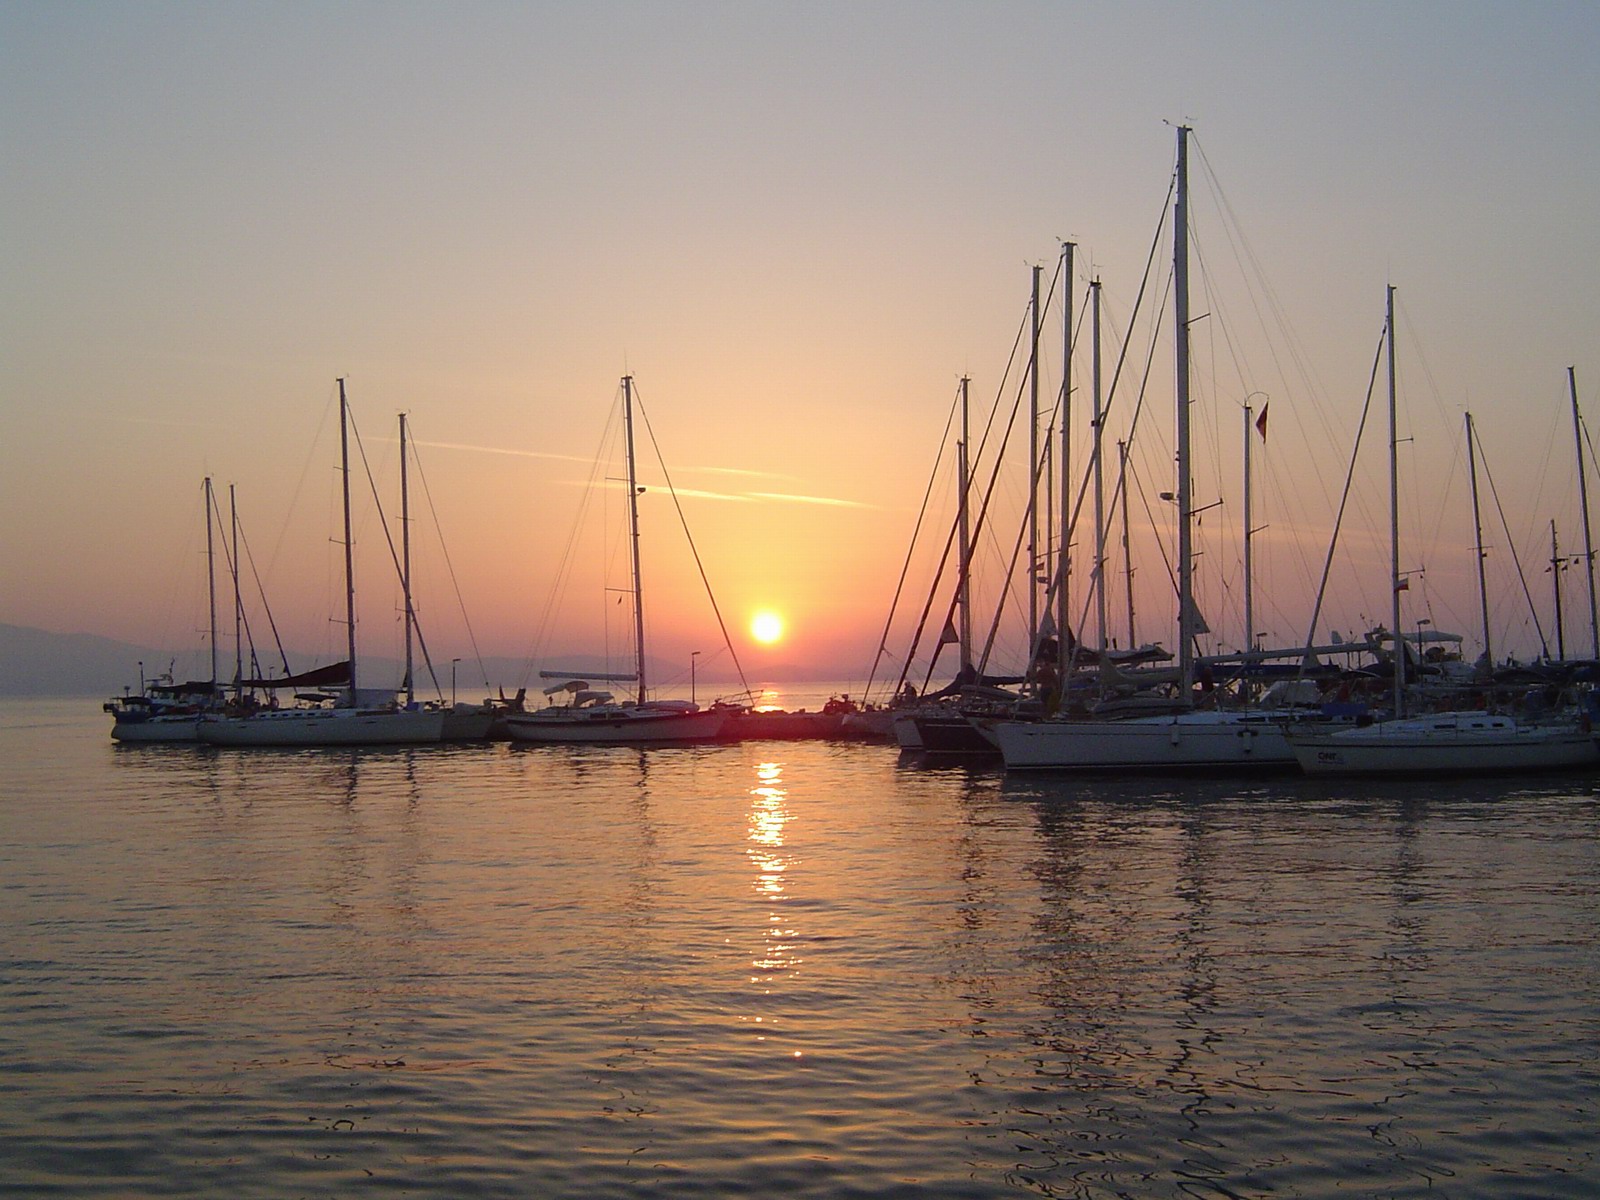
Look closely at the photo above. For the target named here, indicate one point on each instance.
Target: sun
(766, 627)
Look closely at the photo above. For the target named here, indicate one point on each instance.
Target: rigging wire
(566, 562)
(450, 569)
(905, 567)
(1338, 519)
(1516, 560)
(394, 554)
(689, 537)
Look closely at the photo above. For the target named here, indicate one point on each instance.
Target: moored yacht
(1445, 743)
(348, 717)
(595, 716)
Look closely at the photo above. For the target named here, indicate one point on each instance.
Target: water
(800, 970)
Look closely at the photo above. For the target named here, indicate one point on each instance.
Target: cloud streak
(695, 493)
(743, 472)
(830, 501)
(508, 450)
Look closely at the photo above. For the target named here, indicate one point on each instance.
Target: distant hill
(34, 662)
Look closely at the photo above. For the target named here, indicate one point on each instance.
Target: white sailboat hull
(614, 725)
(185, 728)
(325, 727)
(1188, 741)
(1445, 743)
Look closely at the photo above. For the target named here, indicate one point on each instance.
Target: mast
(1180, 289)
(1555, 578)
(1047, 572)
(211, 583)
(405, 560)
(1063, 654)
(1477, 533)
(1249, 574)
(1099, 478)
(238, 602)
(964, 581)
(1033, 483)
(1583, 497)
(349, 539)
(1127, 541)
(1395, 581)
(633, 534)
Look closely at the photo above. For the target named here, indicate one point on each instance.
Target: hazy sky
(797, 225)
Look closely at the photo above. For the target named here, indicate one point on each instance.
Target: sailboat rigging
(352, 719)
(591, 715)
(1431, 743)
(1188, 739)
(164, 710)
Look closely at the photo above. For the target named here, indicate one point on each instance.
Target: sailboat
(939, 723)
(946, 723)
(1189, 739)
(593, 715)
(164, 710)
(1445, 742)
(355, 718)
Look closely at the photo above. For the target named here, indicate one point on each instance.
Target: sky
(796, 226)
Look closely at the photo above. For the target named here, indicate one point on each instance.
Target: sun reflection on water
(769, 817)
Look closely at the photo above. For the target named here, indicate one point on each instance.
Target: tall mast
(1099, 479)
(1127, 541)
(211, 583)
(1555, 579)
(1033, 482)
(1047, 481)
(1583, 496)
(1064, 457)
(1394, 519)
(238, 602)
(964, 580)
(633, 535)
(349, 538)
(1180, 288)
(1477, 534)
(1249, 572)
(405, 560)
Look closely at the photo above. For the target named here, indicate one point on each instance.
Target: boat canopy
(194, 687)
(333, 675)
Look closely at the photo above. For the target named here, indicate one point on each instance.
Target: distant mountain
(34, 662)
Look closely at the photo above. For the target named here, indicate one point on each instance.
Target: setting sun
(766, 627)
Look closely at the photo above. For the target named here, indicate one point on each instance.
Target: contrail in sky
(500, 450)
(783, 497)
(810, 500)
(578, 458)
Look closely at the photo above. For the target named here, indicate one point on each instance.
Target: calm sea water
(798, 970)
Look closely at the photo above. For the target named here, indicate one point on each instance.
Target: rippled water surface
(800, 970)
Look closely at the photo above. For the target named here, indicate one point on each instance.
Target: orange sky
(797, 235)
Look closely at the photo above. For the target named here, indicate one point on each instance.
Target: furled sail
(333, 675)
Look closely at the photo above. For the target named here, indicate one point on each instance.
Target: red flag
(1403, 585)
(1261, 422)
